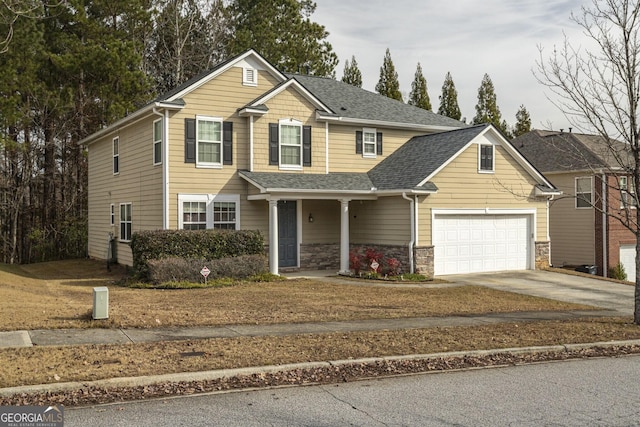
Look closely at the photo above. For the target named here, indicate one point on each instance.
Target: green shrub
(176, 269)
(618, 272)
(192, 244)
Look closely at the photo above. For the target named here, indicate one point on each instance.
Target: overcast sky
(465, 37)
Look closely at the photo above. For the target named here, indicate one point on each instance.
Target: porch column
(344, 236)
(273, 236)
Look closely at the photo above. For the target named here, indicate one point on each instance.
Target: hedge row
(188, 270)
(192, 244)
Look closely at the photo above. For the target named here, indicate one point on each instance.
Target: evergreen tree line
(487, 110)
(70, 68)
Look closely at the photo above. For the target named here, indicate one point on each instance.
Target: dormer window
(249, 76)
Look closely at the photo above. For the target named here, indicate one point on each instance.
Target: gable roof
(552, 151)
(350, 103)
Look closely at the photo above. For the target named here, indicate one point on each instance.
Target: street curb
(237, 372)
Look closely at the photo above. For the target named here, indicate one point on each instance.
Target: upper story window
(583, 192)
(486, 158)
(157, 142)
(369, 142)
(627, 193)
(209, 141)
(249, 76)
(116, 155)
(290, 144)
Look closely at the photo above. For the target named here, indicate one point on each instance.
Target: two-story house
(586, 222)
(322, 168)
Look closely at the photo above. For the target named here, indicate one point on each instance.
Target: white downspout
(326, 148)
(605, 243)
(165, 167)
(250, 143)
(412, 220)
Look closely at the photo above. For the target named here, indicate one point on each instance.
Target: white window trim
(209, 199)
(157, 141)
(115, 155)
(211, 165)
(249, 76)
(289, 122)
(493, 158)
(373, 131)
(125, 222)
(624, 191)
(575, 187)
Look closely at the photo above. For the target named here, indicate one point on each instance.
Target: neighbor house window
(291, 144)
(369, 142)
(583, 192)
(200, 211)
(627, 193)
(486, 158)
(116, 155)
(113, 214)
(125, 222)
(157, 142)
(209, 143)
(194, 215)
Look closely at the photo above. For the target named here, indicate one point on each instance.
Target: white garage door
(478, 243)
(628, 261)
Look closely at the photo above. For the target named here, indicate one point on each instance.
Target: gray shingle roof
(304, 181)
(349, 101)
(552, 151)
(420, 157)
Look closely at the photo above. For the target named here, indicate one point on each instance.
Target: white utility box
(101, 302)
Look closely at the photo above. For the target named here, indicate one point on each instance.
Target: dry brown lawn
(60, 295)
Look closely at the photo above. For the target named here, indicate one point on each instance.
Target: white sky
(465, 37)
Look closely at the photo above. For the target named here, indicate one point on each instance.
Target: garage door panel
(477, 243)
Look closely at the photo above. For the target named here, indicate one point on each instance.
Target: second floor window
(116, 155)
(291, 144)
(209, 143)
(486, 158)
(627, 193)
(157, 142)
(583, 192)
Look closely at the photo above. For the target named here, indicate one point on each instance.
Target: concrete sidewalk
(59, 337)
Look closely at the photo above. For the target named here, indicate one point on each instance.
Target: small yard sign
(205, 273)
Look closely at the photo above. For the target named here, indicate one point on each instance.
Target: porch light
(310, 217)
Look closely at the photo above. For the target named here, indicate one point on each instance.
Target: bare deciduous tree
(598, 89)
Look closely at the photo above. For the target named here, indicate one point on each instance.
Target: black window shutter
(273, 143)
(358, 142)
(189, 140)
(379, 143)
(306, 146)
(227, 143)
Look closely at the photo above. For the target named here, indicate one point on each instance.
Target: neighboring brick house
(585, 223)
(322, 168)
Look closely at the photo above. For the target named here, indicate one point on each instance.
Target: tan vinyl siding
(325, 227)
(571, 229)
(385, 221)
(342, 147)
(461, 186)
(139, 182)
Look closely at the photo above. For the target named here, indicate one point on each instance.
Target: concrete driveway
(558, 286)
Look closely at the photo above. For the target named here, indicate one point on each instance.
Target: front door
(287, 234)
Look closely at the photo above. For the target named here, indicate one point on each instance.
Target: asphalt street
(586, 392)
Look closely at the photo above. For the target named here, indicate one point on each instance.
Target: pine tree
(487, 110)
(449, 99)
(352, 74)
(388, 84)
(419, 96)
(523, 122)
(281, 31)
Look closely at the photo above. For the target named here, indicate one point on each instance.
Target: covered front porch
(316, 221)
